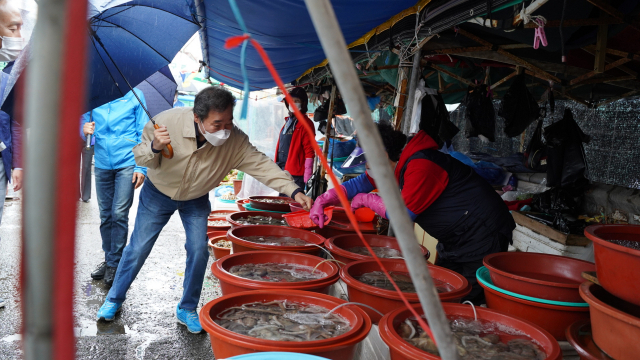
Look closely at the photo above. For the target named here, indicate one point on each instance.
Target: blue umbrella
(131, 41)
(159, 91)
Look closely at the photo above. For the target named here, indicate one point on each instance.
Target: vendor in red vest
(444, 196)
(294, 151)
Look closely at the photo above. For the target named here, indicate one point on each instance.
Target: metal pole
(42, 108)
(327, 133)
(335, 48)
(202, 32)
(413, 84)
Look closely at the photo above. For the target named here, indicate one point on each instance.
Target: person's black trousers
(85, 173)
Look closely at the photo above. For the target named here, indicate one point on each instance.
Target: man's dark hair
(214, 98)
(393, 140)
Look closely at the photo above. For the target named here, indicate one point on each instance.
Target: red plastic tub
(337, 245)
(387, 300)
(617, 266)
(343, 227)
(226, 343)
(257, 204)
(615, 323)
(231, 284)
(541, 276)
(243, 214)
(579, 336)
(240, 203)
(239, 245)
(403, 350)
(553, 318)
(218, 252)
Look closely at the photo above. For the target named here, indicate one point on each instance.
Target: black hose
(564, 55)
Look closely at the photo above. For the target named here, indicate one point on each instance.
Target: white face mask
(217, 138)
(11, 48)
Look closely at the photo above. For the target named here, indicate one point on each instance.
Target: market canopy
(285, 30)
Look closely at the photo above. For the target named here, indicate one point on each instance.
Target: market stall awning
(284, 29)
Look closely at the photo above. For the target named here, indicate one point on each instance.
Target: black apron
(285, 142)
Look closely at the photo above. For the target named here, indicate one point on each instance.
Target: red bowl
(257, 204)
(231, 284)
(553, 318)
(403, 350)
(541, 276)
(226, 343)
(579, 336)
(615, 323)
(337, 246)
(240, 214)
(240, 203)
(239, 245)
(387, 300)
(218, 252)
(617, 266)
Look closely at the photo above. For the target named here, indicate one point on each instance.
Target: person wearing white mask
(11, 44)
(294, 151)
(206, 146)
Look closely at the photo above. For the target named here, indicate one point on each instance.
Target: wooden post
(601, 47)
(327, 133)
(401, 103)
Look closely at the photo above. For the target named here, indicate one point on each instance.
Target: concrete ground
(145, 329)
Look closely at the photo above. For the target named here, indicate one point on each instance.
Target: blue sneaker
(1, 303)
(189, 318)
(108, 310)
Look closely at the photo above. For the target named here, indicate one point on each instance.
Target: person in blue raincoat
(116, 128)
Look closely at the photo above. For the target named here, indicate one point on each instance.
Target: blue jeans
(154, 211)
(115, 196)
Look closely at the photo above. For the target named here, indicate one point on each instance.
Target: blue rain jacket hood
(119, 126)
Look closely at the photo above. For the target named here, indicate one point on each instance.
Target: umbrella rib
(156, 89)
(126, 7)
(134, 35)
(105, 64)
(151, 7)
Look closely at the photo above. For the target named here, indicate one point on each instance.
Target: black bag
(566, 158)
(535, 156)
(518, 108)
(434, 118)
(479, 112)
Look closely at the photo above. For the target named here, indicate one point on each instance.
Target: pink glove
(330, 198)
(372, 201)
(308, 169)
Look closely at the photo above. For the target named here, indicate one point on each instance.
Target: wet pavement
(146, 328)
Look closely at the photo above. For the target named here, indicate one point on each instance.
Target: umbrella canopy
(131, 41)
(159, 91)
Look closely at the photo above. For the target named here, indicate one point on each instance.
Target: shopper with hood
(445, 197)
(294, 151)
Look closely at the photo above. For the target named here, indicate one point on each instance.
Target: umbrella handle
(169, 153)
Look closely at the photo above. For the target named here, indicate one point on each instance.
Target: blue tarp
(285, 30)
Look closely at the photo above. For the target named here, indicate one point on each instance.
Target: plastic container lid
(276, 356)
(301, 219)
(483, 276)
(365, 215)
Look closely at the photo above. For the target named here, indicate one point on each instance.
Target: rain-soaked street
(145, 329)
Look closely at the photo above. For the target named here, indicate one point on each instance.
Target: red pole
(72, 103)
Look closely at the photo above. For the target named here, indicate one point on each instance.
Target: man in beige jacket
(206, 147)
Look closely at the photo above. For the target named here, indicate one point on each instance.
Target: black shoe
(98, 273)
(109, 275)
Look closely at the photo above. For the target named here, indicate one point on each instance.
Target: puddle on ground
(99, 328)
(14, 337)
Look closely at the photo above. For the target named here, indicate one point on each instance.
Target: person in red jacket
(294, 151)
(447, 198)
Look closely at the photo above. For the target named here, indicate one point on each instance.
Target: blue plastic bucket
(276, 356)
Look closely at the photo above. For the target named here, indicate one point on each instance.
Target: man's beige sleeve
(261, 167)
(142, 152)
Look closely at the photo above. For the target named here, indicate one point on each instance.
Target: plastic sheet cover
(612, 154)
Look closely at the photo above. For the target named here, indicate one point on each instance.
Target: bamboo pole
(327, 133)
(335, 48)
